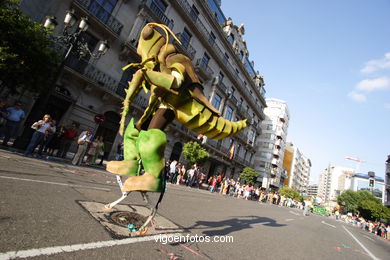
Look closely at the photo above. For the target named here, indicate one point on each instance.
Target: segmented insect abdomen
(198, 118)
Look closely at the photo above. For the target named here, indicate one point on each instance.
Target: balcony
(91, 73)
(185, 47)
(203, 69)
(275, 152)
(158, 13)
(95, 9)
(234, 100)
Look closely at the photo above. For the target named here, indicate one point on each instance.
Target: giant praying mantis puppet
(175, 94)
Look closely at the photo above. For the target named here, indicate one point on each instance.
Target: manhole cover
(124, 218)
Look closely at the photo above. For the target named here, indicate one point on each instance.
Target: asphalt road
(40, 218)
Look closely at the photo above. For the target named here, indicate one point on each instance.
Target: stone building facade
(215, 45)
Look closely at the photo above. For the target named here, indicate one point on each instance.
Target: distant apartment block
(297, 168)
(271, 144)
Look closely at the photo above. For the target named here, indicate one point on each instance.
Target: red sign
(99, 118)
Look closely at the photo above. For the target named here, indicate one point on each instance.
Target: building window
(216, 10)
(231, 38)
(212, 38)
(161, 5)
(185, 38)
(217, 101)
(194, 13)
(220, 76)
(251, 136)
(226, 58)
(241, 101)
(229, 113)
(102, 9)
(241, 55)
(205, 61)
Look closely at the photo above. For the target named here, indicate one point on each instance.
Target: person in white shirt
(40, 129)
(48, 135)
(83, 141)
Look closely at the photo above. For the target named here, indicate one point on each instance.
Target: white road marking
(289, 219)
(323, 222)
(261, 223)
(79, 247)
(365, 249)
(369, 238)
(56, 183)
(295, 213)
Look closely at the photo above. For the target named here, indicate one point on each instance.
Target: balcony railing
(92, 73)
(99, 12)
(207, 71)
(186, 47)
(159, 13)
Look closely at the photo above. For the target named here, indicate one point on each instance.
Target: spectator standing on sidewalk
(14, 117)
(49, 133)
(54, 143)
(99, 149)
(40, 128)
(69, 136)
(83, 141)
(91, 151)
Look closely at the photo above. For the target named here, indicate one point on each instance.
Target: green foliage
(27, 57)
(350, 199)
(373, 210)
(194, 153)
(369, 206)
(290, 193)
(249, 175)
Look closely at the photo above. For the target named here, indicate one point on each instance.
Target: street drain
(124, 218)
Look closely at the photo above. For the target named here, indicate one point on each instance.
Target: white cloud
(369, 85)
(375, 65)
(357, 97)
(387, 105)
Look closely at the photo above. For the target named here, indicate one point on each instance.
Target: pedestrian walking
(14, 116)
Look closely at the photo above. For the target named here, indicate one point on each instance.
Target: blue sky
(330, 60)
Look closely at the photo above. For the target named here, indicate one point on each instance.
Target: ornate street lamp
(73, 40)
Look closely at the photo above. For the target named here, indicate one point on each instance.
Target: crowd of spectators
(376, 227)
(194, 177)
(48, 139)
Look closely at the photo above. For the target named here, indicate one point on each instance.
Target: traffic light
(372, 182)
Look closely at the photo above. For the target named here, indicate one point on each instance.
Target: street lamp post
(71, 41)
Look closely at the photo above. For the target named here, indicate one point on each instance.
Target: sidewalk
(50, 158)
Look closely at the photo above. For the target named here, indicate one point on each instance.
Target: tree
(194, 153)
(249, 175)
(290, 193)
(372, 210)
(350, 200)
(28, 60)
(369, 206)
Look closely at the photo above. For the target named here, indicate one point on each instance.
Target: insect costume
(175, 94)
